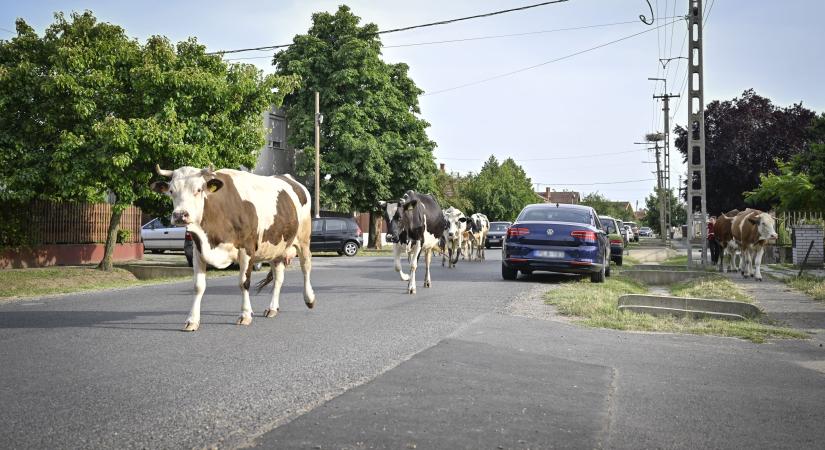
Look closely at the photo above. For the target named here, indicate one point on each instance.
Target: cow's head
(456, 222)
(765, 226)
(392, 217)
(188, 188)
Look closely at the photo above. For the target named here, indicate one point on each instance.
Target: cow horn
(162, 172)
(208, 170)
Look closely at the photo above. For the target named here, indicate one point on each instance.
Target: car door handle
(165, 232)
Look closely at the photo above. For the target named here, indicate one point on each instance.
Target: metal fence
(791, 218)
(78, 223)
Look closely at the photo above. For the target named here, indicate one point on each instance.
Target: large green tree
(374, 145)
(677, 211)
(500, 191)
(744, 137)
(86, 112)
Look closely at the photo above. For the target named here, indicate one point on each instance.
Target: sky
(570, 123)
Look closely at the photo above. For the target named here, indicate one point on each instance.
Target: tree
(87, 112)
(677, 211)
(743, 139)
(500, 191)
(451, 191)
(606, 207)
(787, 191)
(811, 161)
(373, 144)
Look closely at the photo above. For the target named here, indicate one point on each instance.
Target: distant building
(276, 156)
(568, 197)
(640, 214)
(626, 206)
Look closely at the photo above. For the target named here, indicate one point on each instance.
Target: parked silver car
(159, 235)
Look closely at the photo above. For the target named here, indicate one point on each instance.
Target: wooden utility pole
(696, 182)
(317, 155)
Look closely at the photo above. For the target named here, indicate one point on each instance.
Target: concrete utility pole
(317, 155)
(696, 131)
(666, 174)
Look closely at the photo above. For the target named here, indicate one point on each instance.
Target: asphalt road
(373, 367)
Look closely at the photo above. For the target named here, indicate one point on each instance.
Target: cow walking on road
(481, 226)
(752, 229)
(236, 216)
(456, 226)
(722, 230)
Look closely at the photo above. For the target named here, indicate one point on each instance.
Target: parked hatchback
(336, 234)
(614, 235)
(159, 235)
(496, 234)
(556, 238)
(646, 232)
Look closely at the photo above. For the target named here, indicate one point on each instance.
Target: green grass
(813, 286)
(17, 283)
(715, 287)
(596, 305)
(680, 260)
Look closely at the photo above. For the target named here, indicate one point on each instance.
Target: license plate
(556, 254)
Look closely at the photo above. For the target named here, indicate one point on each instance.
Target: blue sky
(595, 103)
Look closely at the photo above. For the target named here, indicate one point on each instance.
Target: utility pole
(696, 131)
(666, 174)
(317, 155)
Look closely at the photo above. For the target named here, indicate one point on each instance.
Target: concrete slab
(462, 394)
(688, 306)
(147, 272)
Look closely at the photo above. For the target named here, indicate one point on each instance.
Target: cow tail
(261, 284)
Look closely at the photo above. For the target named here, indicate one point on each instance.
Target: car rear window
(609, 225)
(499, 227)
(553, 214)
(336, 225)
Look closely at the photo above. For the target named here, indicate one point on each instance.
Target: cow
(456, 225)
(416, 224)
(236, 216)
(396, 236)
(467, 242)
(724, 236)
(752, 229)
(481, 226)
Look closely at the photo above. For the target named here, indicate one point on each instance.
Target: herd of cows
(238, 217)
(746, 231)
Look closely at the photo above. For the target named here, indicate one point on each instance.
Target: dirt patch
(531, 303)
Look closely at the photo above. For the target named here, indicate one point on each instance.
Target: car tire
(157, 251)
(350, 248)
(598, 277)
(508, 273)
(607, 268)
(619, 261)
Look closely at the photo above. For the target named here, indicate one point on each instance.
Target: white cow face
(456, 222)
(188, 188)
(766, 226)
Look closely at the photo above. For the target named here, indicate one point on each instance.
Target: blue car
(559, 238)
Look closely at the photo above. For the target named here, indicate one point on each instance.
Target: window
(609, 226)
(553, 214)
(317, 226)
(336, 225)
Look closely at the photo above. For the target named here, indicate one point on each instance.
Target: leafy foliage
(744, 137)
(606, 207)
(86, 112)
(677, 211)
(788, 190)
(373, 144)
(500, 191)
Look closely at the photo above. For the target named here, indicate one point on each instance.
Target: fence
(75, 223)
(791, 218)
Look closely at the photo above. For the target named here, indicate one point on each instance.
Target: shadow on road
(89, 319)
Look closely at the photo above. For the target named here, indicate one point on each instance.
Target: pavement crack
(610, 418)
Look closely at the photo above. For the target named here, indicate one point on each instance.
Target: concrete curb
(669, 276)
(688, 307)
(147, 272)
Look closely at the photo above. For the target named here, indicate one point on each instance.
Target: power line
(551, 159)
(524, 69)
(707, 15)
(413, 27)
(7, 30)
(598, 183)
(479, 38)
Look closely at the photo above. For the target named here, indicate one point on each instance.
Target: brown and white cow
(752, 229)
(236, 216)
(722, 229)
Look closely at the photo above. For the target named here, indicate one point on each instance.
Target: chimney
(443, 168)
(547, 193)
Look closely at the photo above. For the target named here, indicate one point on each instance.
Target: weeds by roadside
(715, 287)
(596, 305)
(811, 285)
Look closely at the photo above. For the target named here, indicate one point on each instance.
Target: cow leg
(757, 261)
(245, 269)
(413, 257)
(396, 255)
(306, 268)
(277, 270)
(193, 322)
(428, 257)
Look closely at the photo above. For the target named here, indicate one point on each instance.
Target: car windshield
(498, 227)
(552, 214)
(609, 225)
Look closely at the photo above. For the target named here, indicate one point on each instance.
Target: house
(568, 197)
(624, 206)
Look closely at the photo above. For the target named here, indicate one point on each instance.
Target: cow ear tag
(212, 188)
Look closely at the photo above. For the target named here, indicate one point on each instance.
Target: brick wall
(803, 235)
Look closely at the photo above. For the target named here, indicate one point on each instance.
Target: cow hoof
(244, 320)
(191, 326)
(270, 313)
(426, 284)
(311, 304)
(412, 291)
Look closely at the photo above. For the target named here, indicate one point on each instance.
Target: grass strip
(715, 287)
(811, 285)
(596, 305)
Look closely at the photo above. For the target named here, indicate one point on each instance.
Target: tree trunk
(375, 231)
(111, 238)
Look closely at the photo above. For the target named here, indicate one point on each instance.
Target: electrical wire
(551, 159)
(524, 69)
(597, 183)
(413, 27)
(7, 30)
(707, 14)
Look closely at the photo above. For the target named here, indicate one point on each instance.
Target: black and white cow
(236, 216)
(480, 228)
(456, 227)
(415, 224)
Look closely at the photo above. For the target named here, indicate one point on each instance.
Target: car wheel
(508, 273)
(607, 268)
(157, 251)
(619, 261)
(598, 277)
(350, 248)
